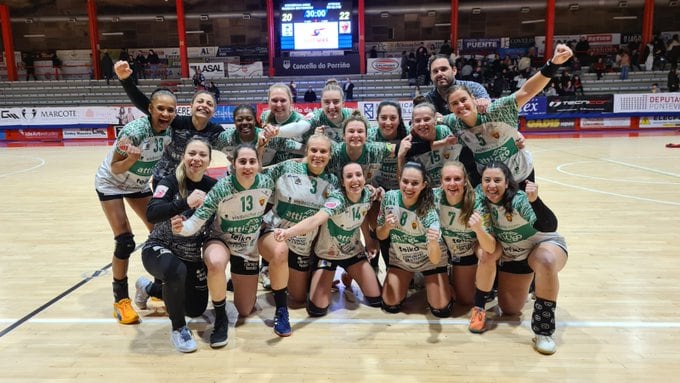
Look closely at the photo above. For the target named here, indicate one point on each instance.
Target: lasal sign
(209, 70)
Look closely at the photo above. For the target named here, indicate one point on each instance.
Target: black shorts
(438, 270)
(109, 197)
(325, 264)
(242, 266)
(298, 262)
(468, 260)
(515, 267)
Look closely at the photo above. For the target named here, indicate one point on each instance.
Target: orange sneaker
(477, 320)
(123, 311)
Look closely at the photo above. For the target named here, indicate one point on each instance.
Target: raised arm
(139, 99)
(535, 84)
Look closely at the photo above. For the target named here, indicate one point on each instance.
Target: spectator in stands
(655, 88)
(56, 64)
(293, 90)
(124, 55)
(404, 64)
(581, 50)
(674, 80)
(212, 88)
(140, 64)
(445, 48)
(599, 68)
(673, 50)
(107, 67)
(373, 53)
(421, 63)
(624, 64)
(29, 64)
(310, 95)
(348, 88)
(153, 61)
(129, 116)
(198, 79)
(498, 85)
(412, 69)
(659, 52)
(577, 85)
(550, 90)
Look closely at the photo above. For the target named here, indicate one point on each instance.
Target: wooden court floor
(618, 201)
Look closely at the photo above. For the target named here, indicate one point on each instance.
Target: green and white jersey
(408, 247)
(371, 158)
(229, 139)
(238, 214)
(281, 149)
(435, 159)
(340, 236)
(299, 194)
(459, 238)
(493, 137)
(516, 232)
(135, 179)
(387, 174)
(333, 131)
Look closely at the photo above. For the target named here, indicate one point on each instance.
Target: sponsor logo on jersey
(160, 191)
(330, 205)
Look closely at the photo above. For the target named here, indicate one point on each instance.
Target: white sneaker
(544, 344)
(183, 340)
(264, 278)
(141, 296)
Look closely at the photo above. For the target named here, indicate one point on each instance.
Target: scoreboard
(316, 25)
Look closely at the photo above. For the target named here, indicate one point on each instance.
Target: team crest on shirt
(496, 135)
(414, 225)
(160, 191)
(508, 216)
(447, 155)
(325, 194)
(262, 201)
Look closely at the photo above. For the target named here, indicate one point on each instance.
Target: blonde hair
(181, 171)
(281, 86)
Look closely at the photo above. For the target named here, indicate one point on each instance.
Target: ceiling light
(204, 18)
(536, 21)
(29, 20)
(574, 7)
(432, 13)
(72, 19)
(115, 19)
(624, 18)
(196, 32)
(34, 36)
(160, 18)
(476, 11)
(246, 16)
(384, 15)
(623, 4)
(112, 33)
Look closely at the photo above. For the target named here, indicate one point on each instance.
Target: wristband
(549, 69)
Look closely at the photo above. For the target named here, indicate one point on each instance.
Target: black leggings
(185, 284)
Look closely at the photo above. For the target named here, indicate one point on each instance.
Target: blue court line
(28, 317)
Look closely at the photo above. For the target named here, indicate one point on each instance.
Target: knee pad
(315, 311)
(444, 312)
(374, 301)
(125, 245)
(392, 309)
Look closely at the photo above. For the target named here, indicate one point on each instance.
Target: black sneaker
(220, 335)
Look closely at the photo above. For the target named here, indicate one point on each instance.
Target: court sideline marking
(42, 162)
